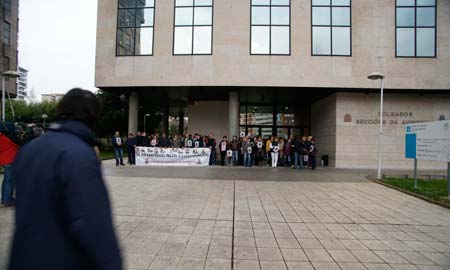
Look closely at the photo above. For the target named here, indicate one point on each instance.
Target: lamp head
(376, 76)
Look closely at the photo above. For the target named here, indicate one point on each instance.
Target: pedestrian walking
(8, 152)
(63, 214)
(117, 143)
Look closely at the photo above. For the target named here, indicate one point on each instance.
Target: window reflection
(270, 27)
(405, 42)
(260, 39)
(193, 27)
(183, 40)
(416, 28)
(322, 40)
(331, 27)
(135, 27)
(425, 42)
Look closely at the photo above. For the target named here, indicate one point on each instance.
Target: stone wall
(323, 127)
(357, 138)
(209, 116)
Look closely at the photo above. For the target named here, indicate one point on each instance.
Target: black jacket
(63, 214)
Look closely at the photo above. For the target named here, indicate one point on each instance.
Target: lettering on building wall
(391, 118)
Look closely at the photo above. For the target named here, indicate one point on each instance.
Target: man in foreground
(63, 214)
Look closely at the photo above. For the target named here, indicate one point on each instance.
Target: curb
(409, 193)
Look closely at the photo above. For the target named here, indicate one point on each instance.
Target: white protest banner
(184, 157)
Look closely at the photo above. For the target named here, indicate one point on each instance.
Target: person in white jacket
(274, 152)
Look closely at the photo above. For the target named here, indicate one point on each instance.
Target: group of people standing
(296, 152)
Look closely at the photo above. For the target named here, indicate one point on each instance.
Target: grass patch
(432, 189)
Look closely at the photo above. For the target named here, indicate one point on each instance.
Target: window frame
(193, 26)
(270, 25)
(415, 27)
(134, 29)
(331, 6)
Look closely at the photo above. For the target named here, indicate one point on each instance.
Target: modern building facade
(283, 67)
(10, 27)
(22, 84)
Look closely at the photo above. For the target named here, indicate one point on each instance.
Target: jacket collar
(76, 128)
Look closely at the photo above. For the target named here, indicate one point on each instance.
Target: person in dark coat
(131, 144)
(63, 214)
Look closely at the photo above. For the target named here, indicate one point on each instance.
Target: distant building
(22, 84)
(52, 97)
(9, 30)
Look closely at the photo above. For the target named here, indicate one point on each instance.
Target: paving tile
(164, 262)
(245, 253)
(366, 256)
(217, 264)
(245, 241)
(342, 255)
(191, 264)
(266, 242)
(269, 254)
(288, 243)
(390, 257)
(273, 265)
(318, 255)
(352, 266)
(299, 265)
(246, 265)
(139, 261)
(293, 254)
(326, 266)
(219, 252)
(438, 258)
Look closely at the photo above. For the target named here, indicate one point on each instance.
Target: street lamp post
(6, 74)
(145, 116)
(44, 117)
(379, 76)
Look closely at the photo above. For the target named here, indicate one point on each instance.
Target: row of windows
(270, 32)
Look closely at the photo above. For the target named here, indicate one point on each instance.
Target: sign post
(428, 141)
(448, 180)
(415, 173)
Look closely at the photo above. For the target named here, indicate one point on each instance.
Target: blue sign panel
(411, 145)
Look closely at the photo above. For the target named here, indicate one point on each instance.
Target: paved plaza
(263, 218)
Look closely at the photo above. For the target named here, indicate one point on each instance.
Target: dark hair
(80, 105)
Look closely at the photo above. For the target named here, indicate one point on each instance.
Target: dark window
(135, 27)
(193, 27)
(331, 27)
(6, 33)
(5, 63)
(270, 27)
(415, 28)
(6, 4)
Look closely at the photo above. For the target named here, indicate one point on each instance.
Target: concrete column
(133, 109)
(165, 120)
(233, 113)
(181, 122)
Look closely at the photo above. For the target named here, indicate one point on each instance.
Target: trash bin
(325, 160)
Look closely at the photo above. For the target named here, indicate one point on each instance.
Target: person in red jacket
(8, 151)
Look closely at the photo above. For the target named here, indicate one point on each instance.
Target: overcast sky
(57, 44)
